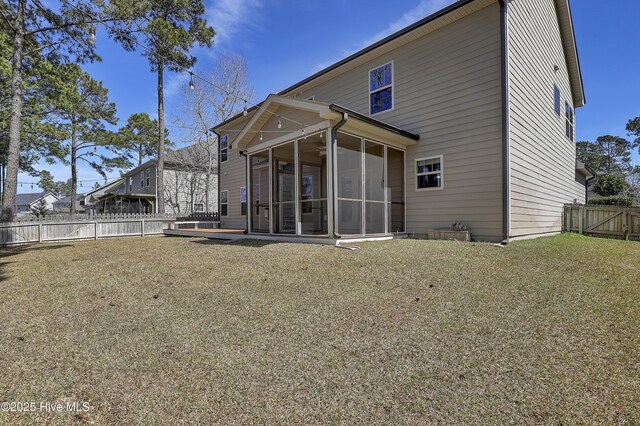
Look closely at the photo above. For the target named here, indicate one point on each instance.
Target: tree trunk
(13, 161)
(160, 168)
(74, 170)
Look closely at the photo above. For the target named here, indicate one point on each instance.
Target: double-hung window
(569, 118)
(148, 177)
(142, 179)
(429, 173)
(224, 148)
(130, 183)
(381, 88)
(224, 203)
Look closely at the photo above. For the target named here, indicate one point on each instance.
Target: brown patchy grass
(401, 332)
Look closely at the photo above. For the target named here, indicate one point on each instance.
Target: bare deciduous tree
(211, 102)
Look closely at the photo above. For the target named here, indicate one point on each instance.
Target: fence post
(625, 225)
(39, 232)
(95, 229)
(142, 228)
(580, 219)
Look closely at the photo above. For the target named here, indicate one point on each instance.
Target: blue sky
(284, 41)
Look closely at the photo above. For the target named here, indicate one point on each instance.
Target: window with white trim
(142, 179)
(130, 183)
(198, 207)
(224, 203)
(429, 173)
(243, 201)
(148, 177)
(569, 118)
(224, 148)
(556, 99)
(381, 88)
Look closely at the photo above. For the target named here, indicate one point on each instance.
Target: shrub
(608, 185)
(617, 200)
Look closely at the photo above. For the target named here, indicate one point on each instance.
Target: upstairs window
(429, 173)
(224, 148)
(142, 179)
(130, 183)
(381, 88)
(556, 99)
(569, 118)
(148, 174)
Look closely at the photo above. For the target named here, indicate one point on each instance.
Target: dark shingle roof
(28, 198)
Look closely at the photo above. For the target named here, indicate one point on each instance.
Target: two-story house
(467, 115)
(190, 185)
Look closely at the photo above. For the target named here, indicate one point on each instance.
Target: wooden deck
(238, 234)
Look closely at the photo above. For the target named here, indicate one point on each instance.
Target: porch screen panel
(313, 185)
(395, 190)
(374, 187)
(284, 192)
(260, 188)
(349, 184)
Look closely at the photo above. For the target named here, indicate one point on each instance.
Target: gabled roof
(105, 187)
(325, 111)
(30, 198)
(67, 199)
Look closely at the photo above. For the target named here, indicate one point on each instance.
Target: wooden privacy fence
(608, 221)
(81, 227)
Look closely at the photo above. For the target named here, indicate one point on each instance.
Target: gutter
(369, 120)
(506, 125)
(218, 161)
(333, 233)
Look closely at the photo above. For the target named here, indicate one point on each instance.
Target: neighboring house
(63, 205)
(92, 198)
(24, 202)
(185, 185)
(465, 116)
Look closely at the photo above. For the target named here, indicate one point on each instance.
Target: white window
(224, 148)
(198, 207)
(243, 201)
(148, 174)
(569, 117)
(224, 203)
(429, 172)
(311, 98)
(381, 89)
(142, 179)
(130, 183)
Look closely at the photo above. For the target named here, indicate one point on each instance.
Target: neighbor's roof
(29, 198)
(67, 199)
(406, 34)
(106, 186)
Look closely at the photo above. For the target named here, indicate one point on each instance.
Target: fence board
(612, 221)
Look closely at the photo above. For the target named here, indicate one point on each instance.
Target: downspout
(506, 125)
(334, 171)
(246, 188)
(218, 172)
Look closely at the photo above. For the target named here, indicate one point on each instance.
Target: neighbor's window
(224, 148)
(243, 201)
(569, 117)
(130, 183)
(142, 179)
(429, 173)
(556, 99)
(381, 88)
(198, 207)
(148, 173)
(224, 203)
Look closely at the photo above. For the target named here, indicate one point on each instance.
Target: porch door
(284, 191)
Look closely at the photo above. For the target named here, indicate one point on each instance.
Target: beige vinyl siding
(232, 178)
(542, 157)
(447, 88)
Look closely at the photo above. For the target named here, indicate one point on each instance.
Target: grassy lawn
(167, 330)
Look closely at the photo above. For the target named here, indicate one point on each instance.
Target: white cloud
(422, 10)
(173, 84)
(229, 18)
